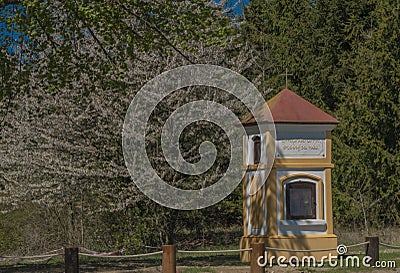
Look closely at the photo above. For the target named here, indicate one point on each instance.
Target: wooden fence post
(169, 259)
(373, 249)
(257, 250)
(71, 259)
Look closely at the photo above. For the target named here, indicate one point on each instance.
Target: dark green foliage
(343, 57)
(368, 150)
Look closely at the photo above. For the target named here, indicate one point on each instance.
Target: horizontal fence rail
(388, 245)
(34, 258)
(100, 255)
(299, 250)
(313, 250)
(213, 251)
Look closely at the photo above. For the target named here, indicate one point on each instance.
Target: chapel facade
(293, 208)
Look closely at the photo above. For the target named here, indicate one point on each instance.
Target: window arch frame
(319, 194)
(300, 184)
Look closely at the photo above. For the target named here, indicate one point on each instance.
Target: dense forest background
(69, 69)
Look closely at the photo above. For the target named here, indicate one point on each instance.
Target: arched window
(256, 149)
(300, 200)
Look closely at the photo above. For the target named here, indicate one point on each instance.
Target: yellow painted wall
(271, 238)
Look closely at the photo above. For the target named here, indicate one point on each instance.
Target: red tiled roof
(288, 107)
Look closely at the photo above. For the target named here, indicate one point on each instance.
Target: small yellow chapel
(293, 209)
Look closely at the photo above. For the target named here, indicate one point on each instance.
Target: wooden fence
(169, 255)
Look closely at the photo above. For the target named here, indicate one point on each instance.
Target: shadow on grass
(85, 265)
(43, 268)
(210, 260)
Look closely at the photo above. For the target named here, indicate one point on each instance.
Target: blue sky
(3, 29)
(10, 32)
(236, 4)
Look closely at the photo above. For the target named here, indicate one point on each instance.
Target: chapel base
(291, 242)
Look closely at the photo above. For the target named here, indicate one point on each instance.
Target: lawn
(189, 263)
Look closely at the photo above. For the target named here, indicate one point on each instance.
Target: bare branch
(157, 30)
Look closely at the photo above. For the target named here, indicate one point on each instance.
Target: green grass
(198, 270)
(211, 259)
